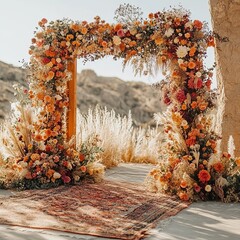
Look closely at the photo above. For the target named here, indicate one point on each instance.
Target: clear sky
(18, 19)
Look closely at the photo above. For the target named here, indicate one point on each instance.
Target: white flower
(198, 74)
(56, 175)
(188, 25)
(182, 51)
(180, 61)
(169, 32)
(184, 123)
(58, 60)
(208, 188)
(176, 40)
(116, 40)
(46, 47)
(58, 97)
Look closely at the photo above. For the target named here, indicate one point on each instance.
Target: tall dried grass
(11, 147)
(120, 141)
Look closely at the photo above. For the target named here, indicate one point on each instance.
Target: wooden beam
(72, 108)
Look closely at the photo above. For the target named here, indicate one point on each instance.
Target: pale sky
(18, 19)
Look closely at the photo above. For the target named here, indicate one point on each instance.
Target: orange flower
(194, 104)
(237, 161)
(63, 43)
(48, 132)
(190, 141)
(50, 53)
(204, 176)
(183, 196)
(50, 75)
(50, 108)
(69, 37)
(158, 40)
(35, 156)
(162, 179)
(183, 41)
(210, 42)
(118, 27)
(184, 107)
(75, 27)
(202, 106)
(191, 65)
(50, 173)
(84, 31)
(133, 52)
(83, 168)
(81, 157)
(183, 184)
(104, 44)
(122, 46)
(150, 15)
(218, 167)
(132, 43)
(168, 175)
(198, 24)
(192, 51)
(40, 95)
(187, 35)
(38, 138)
(28, 175)
(47, 99)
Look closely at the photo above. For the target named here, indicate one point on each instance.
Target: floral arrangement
(191, 167)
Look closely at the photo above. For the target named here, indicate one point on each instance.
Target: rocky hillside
(142, 99)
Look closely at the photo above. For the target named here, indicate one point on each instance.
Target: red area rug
(106, 209)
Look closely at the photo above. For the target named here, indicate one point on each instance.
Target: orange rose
(183, 184)
(150, 15)
(183, 196)
(198, 24)
(192, 51)
(84, 31)
(104, 44)
(38, 138)
(194, 105)
(83, 168)
(204, 176)
(191, 65)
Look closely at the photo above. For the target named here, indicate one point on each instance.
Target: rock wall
(142, 99)
(226, 23)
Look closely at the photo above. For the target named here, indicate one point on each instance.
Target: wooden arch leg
(72, 108)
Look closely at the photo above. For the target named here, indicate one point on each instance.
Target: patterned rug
(107, 209)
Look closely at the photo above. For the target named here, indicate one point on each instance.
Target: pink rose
(66, 179)
(120, 33)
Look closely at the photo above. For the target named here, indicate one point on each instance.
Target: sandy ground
(200, 221)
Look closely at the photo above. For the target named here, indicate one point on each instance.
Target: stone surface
(142, 99)
(226, 23)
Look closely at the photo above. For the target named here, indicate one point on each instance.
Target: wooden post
(72, 108)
